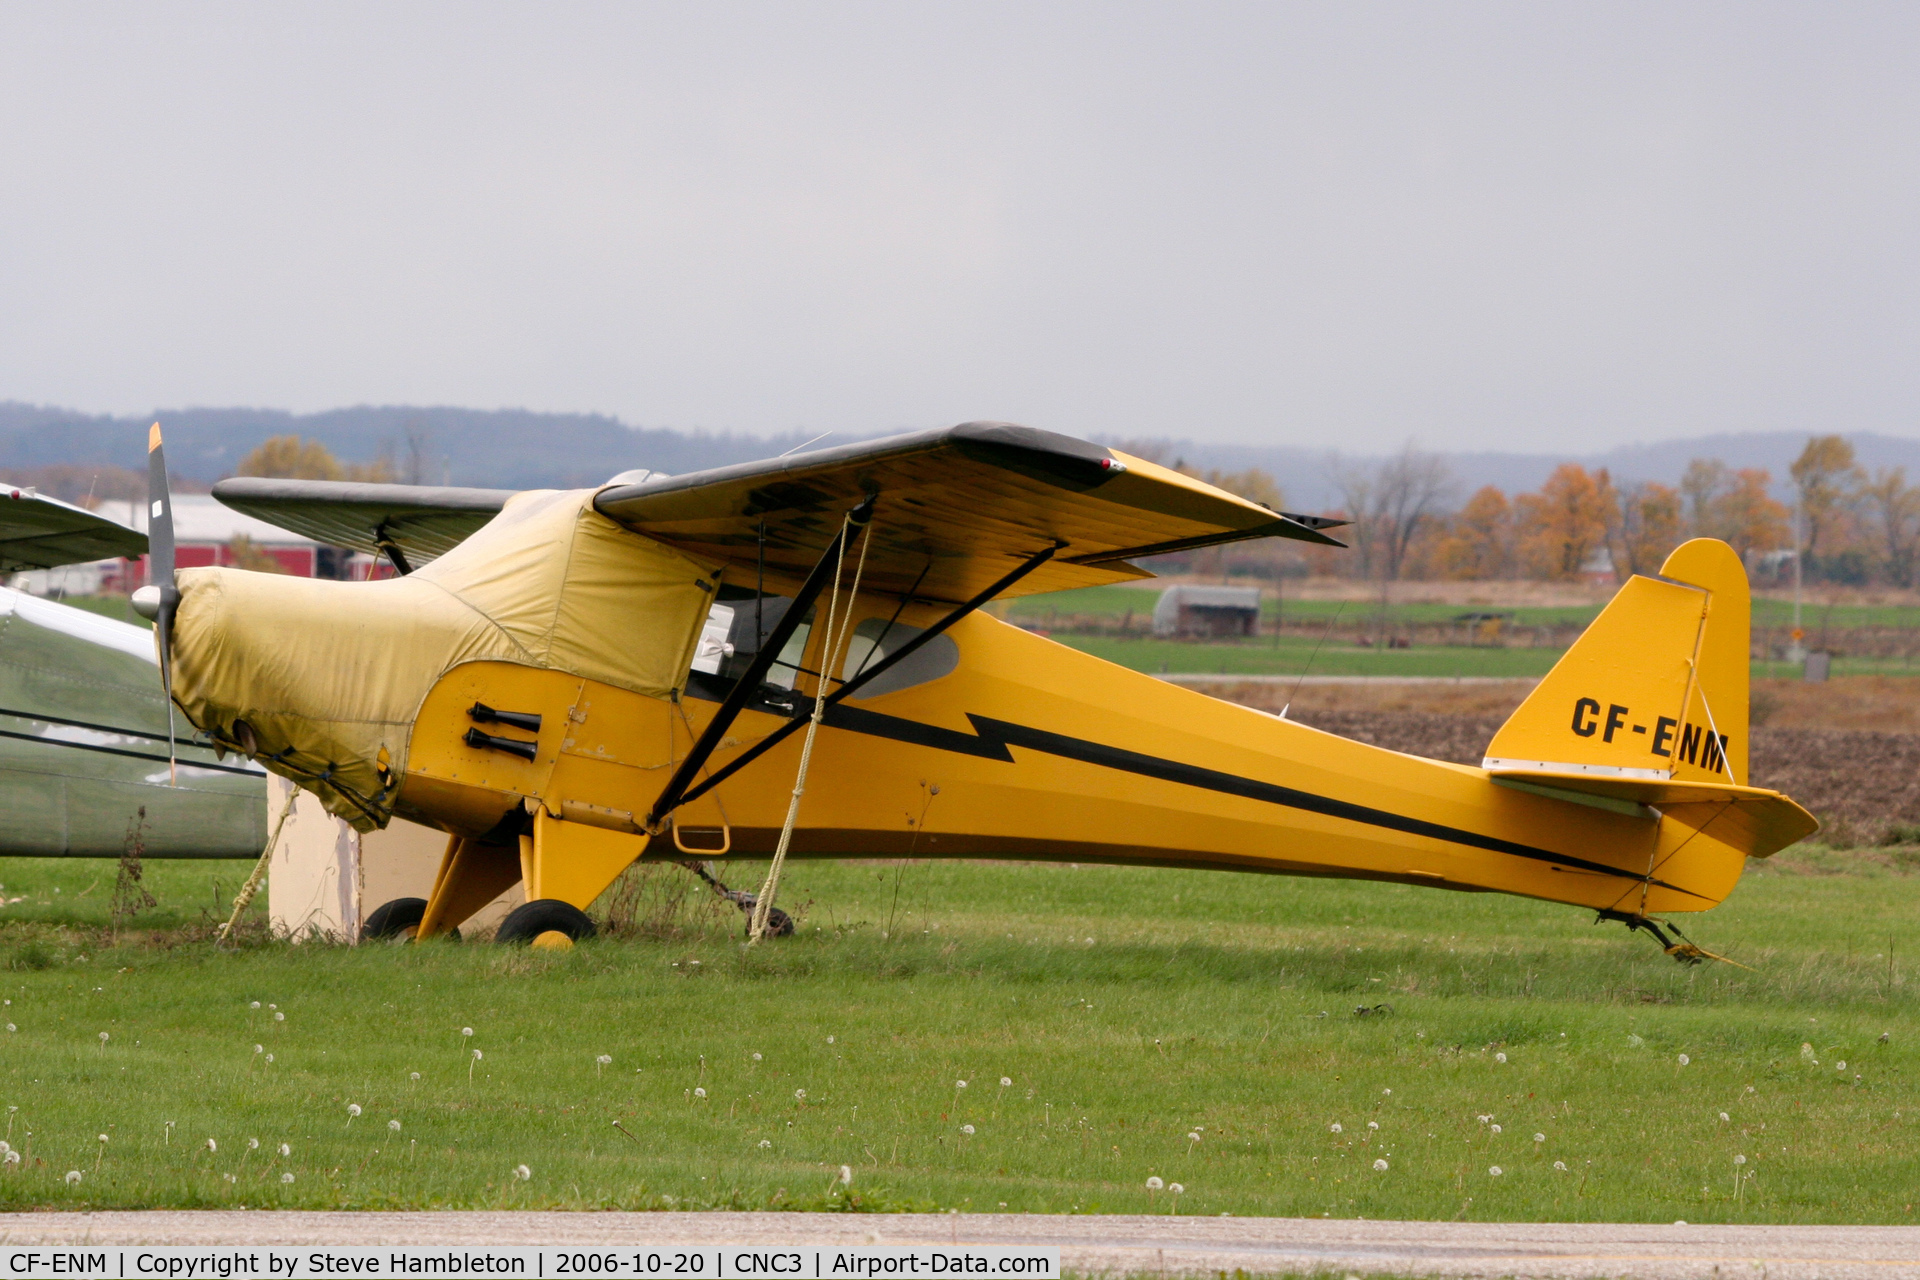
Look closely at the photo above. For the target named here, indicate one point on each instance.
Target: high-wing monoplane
(85, 768)
(789, 658)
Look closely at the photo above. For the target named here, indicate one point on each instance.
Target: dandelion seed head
(1494, 1128)
(605, 1059)
(1005, 1081)
(699, 1093)
(104, 1037)
(1684, 1060)
(756, 1057)
(829, 1039)
(1499, 1057)
(279, 1017)
(12, 1157)
(212, 1145)
(1334, 1127)
(967, 1129)
(764, 1144)
(1561, 1165)
(1739, 1159)
(466, 1031)
(523, 1173)
(353, 1108)
(254, 1005)
(800, 1095)
(253, 1144)
(1539, 1137)
(477, 1055)
(846, 1175)
(1175, 1188)
(1725, 1117)
(286, 1177)
(1373, 1124)
(285, 1149)
(394, 1125)
(1840, 1066)
(1379, 1166)
(259, 1048)
(1154, 1184)
(73, 1177)
(269, 1057)
(1494, 1171)
(959, 1084)
(413, 1075)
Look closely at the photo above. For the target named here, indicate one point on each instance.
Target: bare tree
(1895, 509)
(1389, 501)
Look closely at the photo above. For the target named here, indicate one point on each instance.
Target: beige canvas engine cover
(330, 675)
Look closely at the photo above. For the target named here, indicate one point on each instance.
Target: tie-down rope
(829, 657)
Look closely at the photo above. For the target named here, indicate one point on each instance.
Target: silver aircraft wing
(409, 524)
(38, 532)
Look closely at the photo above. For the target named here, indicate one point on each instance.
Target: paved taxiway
(1115, 1245)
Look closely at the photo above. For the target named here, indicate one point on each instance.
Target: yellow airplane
(789, 658)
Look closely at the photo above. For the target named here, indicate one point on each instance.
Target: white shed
(1212, 612)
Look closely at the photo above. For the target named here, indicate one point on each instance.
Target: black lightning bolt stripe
(992, 739)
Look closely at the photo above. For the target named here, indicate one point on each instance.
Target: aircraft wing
(422, 522)
(38, 532)
(955, 510)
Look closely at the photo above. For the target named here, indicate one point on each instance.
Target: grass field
(1203, 1028)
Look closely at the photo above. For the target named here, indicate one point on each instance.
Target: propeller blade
(160, 574)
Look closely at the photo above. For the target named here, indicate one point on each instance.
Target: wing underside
(421, 522)
(38, 532)
(953, 511)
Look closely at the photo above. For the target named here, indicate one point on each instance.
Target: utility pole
(1796, 651)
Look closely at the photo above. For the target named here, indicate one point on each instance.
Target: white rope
(245, 897)
(763, 904)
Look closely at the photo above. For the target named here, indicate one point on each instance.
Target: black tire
(779, 923)
(544, 915)
(396, 919)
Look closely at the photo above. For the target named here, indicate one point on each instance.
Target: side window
(874, 640)
(732, 635)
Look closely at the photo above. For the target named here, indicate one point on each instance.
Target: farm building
(1211, 612)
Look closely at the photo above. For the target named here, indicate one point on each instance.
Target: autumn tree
(1571, 517)
(1701, 485)
(1747, 516)
(292, 458)
(1826, 480)
(1650, 519)
(1480, 544)
(1894, 511)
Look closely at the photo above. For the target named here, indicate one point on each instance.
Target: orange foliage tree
(1571, 517)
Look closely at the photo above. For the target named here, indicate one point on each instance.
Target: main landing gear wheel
(394, 920)
(545, 922)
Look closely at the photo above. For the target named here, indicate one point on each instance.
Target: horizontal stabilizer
(1757, 822)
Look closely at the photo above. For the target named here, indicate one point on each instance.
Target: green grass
(1296, 654)
(1128, 1007)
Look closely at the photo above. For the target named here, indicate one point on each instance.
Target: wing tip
(153, 437)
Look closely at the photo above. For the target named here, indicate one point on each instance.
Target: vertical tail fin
(1655, 689)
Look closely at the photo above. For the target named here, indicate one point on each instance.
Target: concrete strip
(1111, 1245)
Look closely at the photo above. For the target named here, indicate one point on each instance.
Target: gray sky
(1536, 226)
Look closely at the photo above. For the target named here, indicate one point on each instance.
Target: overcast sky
(1537, 226)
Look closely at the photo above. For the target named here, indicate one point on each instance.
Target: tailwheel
(397, 921)
(545, 923)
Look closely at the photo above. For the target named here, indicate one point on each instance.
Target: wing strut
(852, 686)
(674, 795)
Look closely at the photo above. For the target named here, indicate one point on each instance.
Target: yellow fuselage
(1028, 749)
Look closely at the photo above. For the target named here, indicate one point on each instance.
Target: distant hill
(504, 448)
(518, 448)
(1305, 474)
